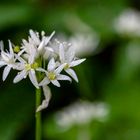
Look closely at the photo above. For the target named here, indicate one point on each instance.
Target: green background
(108, 75)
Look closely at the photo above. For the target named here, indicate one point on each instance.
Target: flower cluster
(42, 60)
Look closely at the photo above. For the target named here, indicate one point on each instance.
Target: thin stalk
(38, 115)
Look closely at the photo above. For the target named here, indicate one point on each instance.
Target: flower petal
(41, 46)
(34, 37)
(20, 76)
(10, 48)
(70, 54)
(32, 54)
(63, 77)
(45, 102)
(45, 81)
(33, 78)
(1, 46)
(6, 72)
(60, 68)
(43, 105)
(56, 83)
(41, 70)
(72, 74)
(49, 38)
(2, 64)
(61, 53)
(51, 65)
(76, 62)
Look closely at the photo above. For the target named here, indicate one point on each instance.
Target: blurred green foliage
(111, 75)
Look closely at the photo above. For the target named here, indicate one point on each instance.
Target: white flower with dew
(68, 57)
(53, 74)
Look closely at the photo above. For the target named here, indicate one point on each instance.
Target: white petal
(21, 52)
(72, 74)
(70, 54)
(1, 46)
(33, 78)
(32, 54)
(49, 38)
(34, 37)
(47, 94)
(61, 53)
(25, 43)
(76, 62)
(49, 49)
(20, 76)
(45, 102)
(45, 81)
(2, 64)
(5, 56)
(6, 72)
(56, 83)
(60, 68)
(20, 59)
(41, 69)
(51, 65)
(42, 106)
(10, 48)
(41, 46)
(63, 77)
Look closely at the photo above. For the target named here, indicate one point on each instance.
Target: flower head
(53, 74)
(8, 60)
(67, 56)
(42, 60)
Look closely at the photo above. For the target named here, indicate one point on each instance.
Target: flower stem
(38, 115)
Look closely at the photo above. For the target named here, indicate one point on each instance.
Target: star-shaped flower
(53, 74)
(34, 41)
(27, 69)
(67, 56)
(7, 59)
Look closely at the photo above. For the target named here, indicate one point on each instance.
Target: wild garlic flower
(7, 59)
(27, 68)
(82, 112)
(53, 74)
(42, 60)
(69, 58)
(34, 41)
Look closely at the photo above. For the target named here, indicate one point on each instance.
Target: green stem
(38, 115)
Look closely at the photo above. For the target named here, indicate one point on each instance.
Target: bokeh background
(105, 104)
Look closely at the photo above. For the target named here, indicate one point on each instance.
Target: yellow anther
(16, 49)
(51, 76)
(34, 65)
(66, 66)
(28, 67)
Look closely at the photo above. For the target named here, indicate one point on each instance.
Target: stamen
(51, 75)
(16, 49)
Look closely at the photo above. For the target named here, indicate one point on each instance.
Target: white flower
(53, 74)
(82, 112)
(68, 57)
(7, 59)
(34, 41)
(45, 102)
(128, 23)
(27, 68)
(84, 43)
